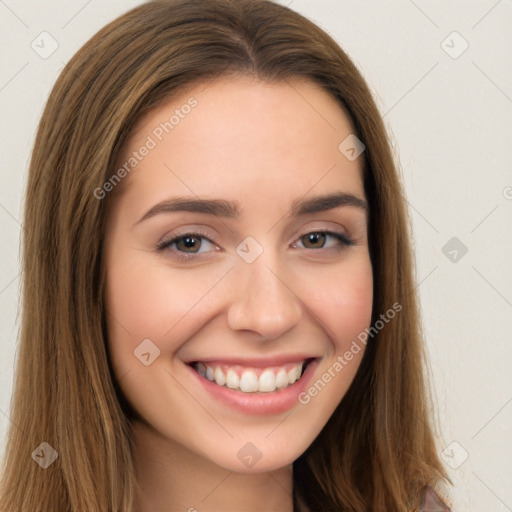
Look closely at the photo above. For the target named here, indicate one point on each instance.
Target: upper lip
(257, 362)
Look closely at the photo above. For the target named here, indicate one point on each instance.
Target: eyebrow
(232, 210)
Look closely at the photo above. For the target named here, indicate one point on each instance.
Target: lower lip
(275, 402)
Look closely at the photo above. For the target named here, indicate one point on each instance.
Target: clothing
(430, 501)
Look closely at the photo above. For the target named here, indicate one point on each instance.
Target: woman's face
(277, 279)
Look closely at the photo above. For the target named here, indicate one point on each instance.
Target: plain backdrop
(441, 76)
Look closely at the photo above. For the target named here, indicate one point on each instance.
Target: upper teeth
(247, 380)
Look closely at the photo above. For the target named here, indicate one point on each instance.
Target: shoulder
(433, 501)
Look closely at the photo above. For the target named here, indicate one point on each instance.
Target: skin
(263, 145)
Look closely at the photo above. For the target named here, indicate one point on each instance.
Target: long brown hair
(377, 450)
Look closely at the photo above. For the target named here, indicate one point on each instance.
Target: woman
(218, 305)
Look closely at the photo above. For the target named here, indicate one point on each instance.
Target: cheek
(145, 300)
(341, 301)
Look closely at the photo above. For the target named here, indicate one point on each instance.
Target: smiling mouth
(246, 379)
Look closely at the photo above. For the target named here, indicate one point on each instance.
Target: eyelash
(164, 244)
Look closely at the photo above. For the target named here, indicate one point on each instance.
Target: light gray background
(450, 121)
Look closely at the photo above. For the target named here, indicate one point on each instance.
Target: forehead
(234, 136)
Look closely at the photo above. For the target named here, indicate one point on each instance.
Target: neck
(170, 477)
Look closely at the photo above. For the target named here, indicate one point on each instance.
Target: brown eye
(187, 245)
(188, 242)
(317, 240)
(320, 240)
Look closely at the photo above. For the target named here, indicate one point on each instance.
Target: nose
(263, 299)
